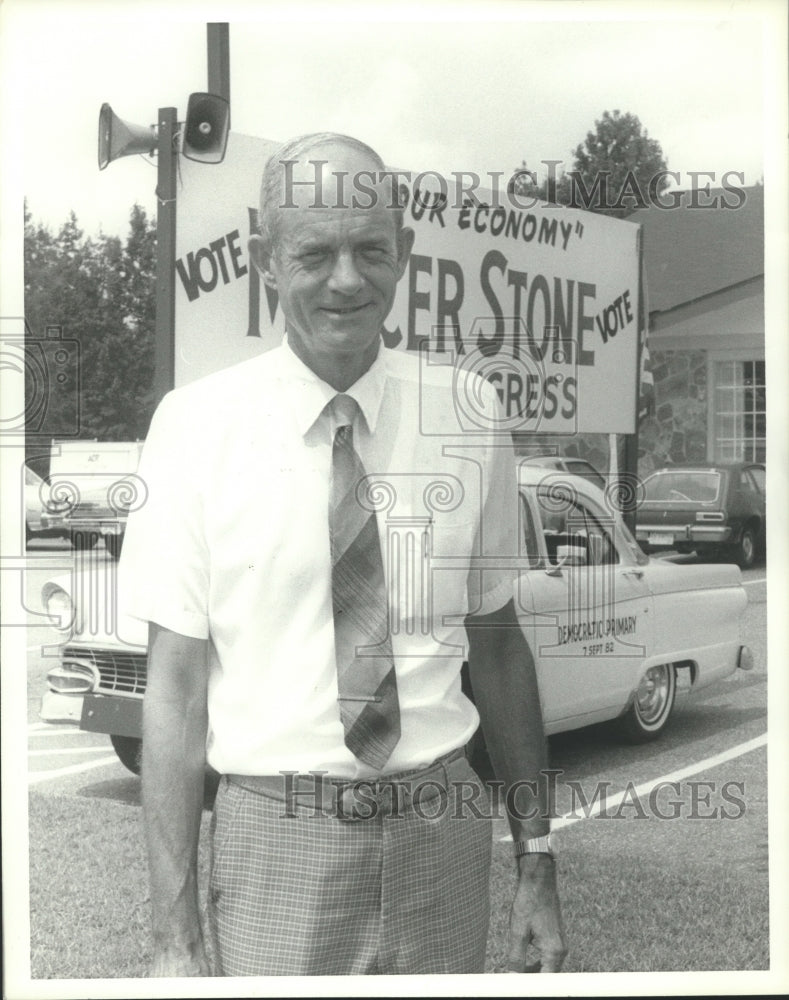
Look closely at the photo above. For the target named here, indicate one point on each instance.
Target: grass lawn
(636, 895)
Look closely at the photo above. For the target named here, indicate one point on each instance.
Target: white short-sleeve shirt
(232, 546)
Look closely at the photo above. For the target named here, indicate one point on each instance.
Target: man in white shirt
(316, 559)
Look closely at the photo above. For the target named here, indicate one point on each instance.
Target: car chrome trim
(119, 672)
(80, 671)
(702, 532)
(59, 707)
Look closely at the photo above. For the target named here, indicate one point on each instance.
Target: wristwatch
(534, 845)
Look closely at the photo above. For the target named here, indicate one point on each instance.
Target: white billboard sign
(541, 299)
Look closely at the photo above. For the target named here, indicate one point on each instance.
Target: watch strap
(534, 845)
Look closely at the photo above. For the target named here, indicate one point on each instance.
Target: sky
(449, 86)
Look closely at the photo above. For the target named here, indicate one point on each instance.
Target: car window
(682, 487)
(746, 483)
(758, 476)
(583, 468)
(528, 533)
(635, 549)
(568, 521)
(544, 461)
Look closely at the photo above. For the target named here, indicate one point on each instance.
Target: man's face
(336, 269)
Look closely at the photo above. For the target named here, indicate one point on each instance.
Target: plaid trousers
(299, 891)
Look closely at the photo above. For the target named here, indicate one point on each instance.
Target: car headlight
(56, 506)
(73, 677)
(60, 608)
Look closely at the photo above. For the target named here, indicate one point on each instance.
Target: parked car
(577, 466)
(34, 502)
(98, 478)
(712, 510)
(609, 627)
(39, 504)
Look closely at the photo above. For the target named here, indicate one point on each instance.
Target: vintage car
(610, 628)
(39, 505)
(715, 510)
(95, 485)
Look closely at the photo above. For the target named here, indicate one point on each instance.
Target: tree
(123, 399)
(102, 294)
(616, 170)
(621, 151)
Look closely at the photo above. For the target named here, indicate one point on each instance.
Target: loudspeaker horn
(206, 128)
(119, 138)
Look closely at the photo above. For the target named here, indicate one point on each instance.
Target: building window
(739, 411)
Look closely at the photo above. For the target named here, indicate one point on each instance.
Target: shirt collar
(310, 394)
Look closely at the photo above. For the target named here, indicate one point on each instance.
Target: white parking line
(39, 776)
(749, 583)
(702, 765)
(63, 750)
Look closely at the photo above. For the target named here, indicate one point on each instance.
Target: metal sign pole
(629, 471)
(218, 42)
(218, 48)
(164, 347)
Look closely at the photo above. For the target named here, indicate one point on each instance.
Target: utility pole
(218, 52)
(164, 343)
(218, 41)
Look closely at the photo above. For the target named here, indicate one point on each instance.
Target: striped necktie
(366, 682)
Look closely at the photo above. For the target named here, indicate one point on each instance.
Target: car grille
(120, 672)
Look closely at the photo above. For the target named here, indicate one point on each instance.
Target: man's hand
(189, 962)
(536, 917)
(502, 673)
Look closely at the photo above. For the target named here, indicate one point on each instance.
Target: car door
(585, 607)
(755, 487)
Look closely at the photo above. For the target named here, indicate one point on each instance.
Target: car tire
(745, 550)
(648, 715)
(113, 545)
(82, 541)
(129, 751)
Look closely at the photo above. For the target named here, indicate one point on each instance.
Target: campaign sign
(541, 300)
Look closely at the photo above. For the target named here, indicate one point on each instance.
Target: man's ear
(405, 244)
(260, 255)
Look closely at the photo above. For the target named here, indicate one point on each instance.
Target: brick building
(705, 293)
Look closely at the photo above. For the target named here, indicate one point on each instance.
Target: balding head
(326, 169)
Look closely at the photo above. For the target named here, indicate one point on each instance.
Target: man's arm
(175, 724)
(504, 680)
